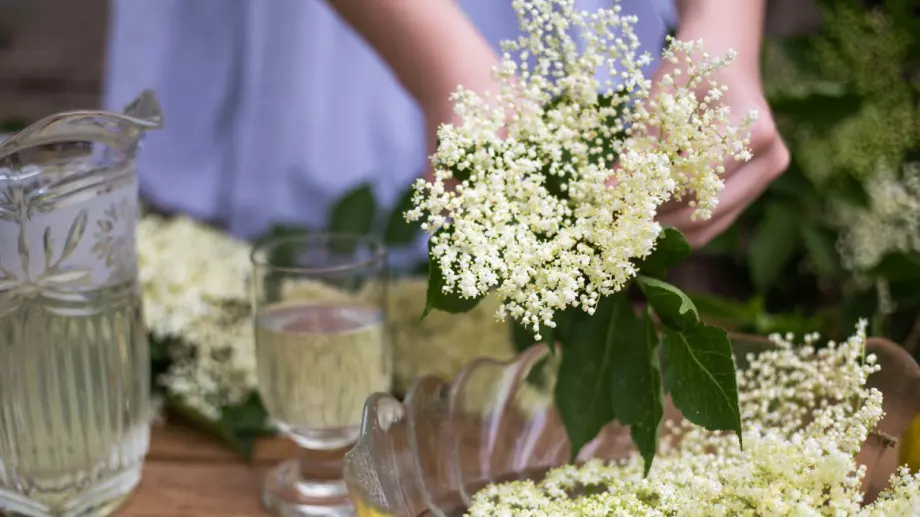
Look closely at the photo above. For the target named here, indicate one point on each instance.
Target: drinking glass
(322, 347)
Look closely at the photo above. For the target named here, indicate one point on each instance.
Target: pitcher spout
(118, 130)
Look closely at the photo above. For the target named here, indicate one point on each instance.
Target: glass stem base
(301, 487)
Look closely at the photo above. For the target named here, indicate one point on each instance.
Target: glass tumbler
(322, 347)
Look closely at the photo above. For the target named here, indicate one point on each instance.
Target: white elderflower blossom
(201, 307)
(533, 218)
(890, 223)
(806, 413)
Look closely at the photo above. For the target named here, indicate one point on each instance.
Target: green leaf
(400, 232)
(775, 240)
(897, 267)
(671, 248)
(673, 307)
(354, 212)
(822, 251)
(784, 323)
(246, 418)
(700, 375)
(584, 384)
(637, 394)
(220, 429)
(724, 310)
(436, 298)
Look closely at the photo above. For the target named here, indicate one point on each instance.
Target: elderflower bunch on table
(807, 412)
(201, 307)
(561, 174)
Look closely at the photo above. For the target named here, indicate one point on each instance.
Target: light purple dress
(276, 108)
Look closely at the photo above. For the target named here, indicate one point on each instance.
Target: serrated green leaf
(775, 240)
(673, 307)
(671, 248)
(637, 393)
(700, 375)
(822, 250)
(584, 384)
(400, 232)
(436, 298)
(354, 213)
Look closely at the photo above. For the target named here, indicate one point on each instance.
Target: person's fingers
(764, 137)
(746, 183)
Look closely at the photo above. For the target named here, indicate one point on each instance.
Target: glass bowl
(496, 421)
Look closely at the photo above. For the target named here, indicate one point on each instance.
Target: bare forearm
(725, 24)
(430, 45)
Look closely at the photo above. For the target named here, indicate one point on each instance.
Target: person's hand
(744, 181)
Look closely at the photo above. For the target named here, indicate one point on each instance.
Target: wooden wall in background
(51, 56)
(52, 51)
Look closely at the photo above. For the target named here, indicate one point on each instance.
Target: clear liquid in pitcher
(74, 359)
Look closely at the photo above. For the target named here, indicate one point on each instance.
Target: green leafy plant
(554, 215)
(616, 364)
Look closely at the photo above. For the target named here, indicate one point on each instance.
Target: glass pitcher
(74, 362)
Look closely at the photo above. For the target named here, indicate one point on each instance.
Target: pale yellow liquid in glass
(317, 364)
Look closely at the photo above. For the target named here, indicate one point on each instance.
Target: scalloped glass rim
(430, 452)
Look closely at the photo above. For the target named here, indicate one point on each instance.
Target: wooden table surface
(189, 474)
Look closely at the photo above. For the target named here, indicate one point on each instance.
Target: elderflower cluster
(201, 307)
(806, 413)
(562, 172)
(890, 222)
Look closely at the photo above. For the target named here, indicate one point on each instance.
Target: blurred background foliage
(837, 237)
